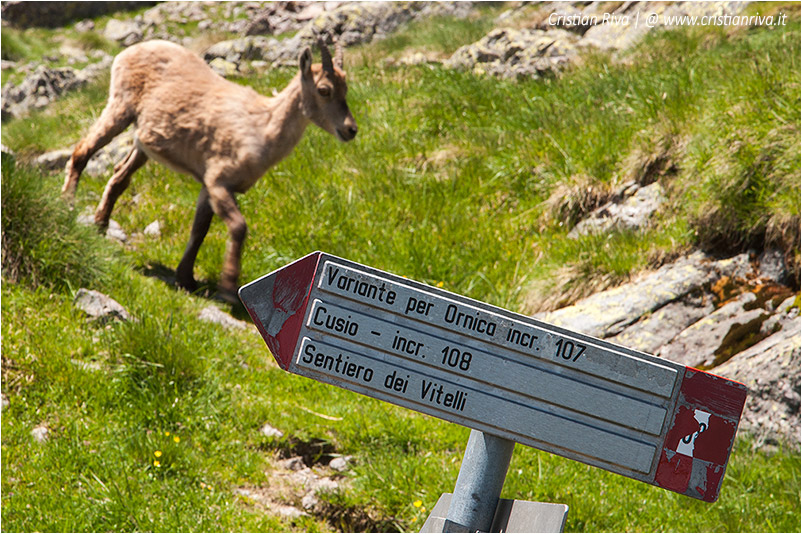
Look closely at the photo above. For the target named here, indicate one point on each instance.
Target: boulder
(726, 315)
(514, 53)
(224, 68)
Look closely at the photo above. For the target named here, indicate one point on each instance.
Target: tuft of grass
(42, 243)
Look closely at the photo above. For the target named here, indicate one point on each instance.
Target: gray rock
(38, 90)
(116, 232)
(125, 32)
(249, 48)
(213, 314)
(772, 266)
(86, 25)
(54, 160)
(100, 306)
(360, 22)
(656, 329)
(294, 464)
(45, 85)
(270, 431)
(5, 402)
(310, 501)
(41, 433)
(700, 344)
(631, 213)
(770, 370)
(102, 163)
(154, 229)
(349, 23)
(289, 512)
(223, 67)
(340, 463)
(510, 53)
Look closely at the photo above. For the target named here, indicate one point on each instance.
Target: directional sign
(499, 372)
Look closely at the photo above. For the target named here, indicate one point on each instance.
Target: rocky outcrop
(732, 316)
(770, 369)
(44, 86)
(349, 24)
(573, 28)
(609, 313)
(510, 53)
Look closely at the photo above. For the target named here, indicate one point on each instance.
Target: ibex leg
(118, 183)
(225, 206)
(114, 119)
(200, 227)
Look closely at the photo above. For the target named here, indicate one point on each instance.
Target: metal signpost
(511, 378)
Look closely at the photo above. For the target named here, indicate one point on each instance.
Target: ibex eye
(324, 91)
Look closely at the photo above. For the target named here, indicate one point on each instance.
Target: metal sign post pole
(479, 483)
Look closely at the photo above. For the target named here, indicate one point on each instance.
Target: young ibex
(224, 135)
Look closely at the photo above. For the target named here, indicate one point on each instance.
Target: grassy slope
(451, 180)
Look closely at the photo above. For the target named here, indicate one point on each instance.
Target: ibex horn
(325, 56)
(338, 54)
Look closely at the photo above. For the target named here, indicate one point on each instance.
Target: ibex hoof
(187, 284)
(228, 294)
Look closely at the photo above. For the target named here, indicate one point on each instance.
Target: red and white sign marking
(499, 372)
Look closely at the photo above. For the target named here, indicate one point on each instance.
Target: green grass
(42, 243)
(464, 180)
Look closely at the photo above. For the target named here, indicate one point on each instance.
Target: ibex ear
(305, 63)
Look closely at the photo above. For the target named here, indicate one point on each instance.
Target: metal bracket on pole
(475, 505)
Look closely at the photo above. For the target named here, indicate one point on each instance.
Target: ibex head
(324, 90)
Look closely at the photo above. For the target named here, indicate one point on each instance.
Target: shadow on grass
(207, 289)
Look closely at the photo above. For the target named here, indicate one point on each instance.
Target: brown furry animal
(224, 135)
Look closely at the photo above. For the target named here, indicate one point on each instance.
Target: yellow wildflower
(176, 439)
(418, 503)
(156, 463)
(157, 454)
